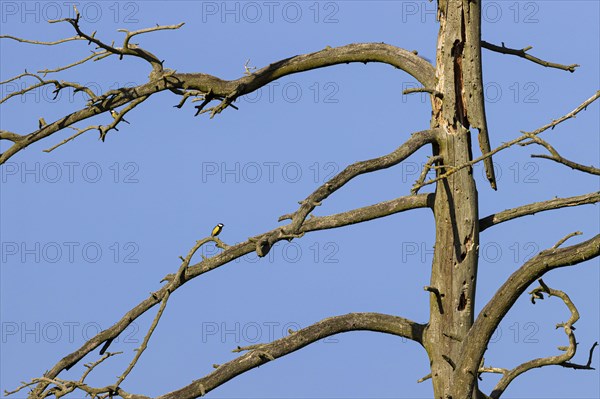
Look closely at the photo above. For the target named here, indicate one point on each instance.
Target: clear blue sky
(91, 228)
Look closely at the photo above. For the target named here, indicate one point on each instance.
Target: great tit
(115, 115)
(217, 230)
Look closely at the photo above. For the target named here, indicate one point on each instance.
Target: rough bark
(454, 269)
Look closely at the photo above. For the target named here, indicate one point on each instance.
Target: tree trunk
(454, 269)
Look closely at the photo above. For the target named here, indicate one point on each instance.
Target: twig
(562, 240)
(428, 165)
(556, 157)
(523, 54)
(65, 141)
(559, 360)
(248, 70)
(573, 165)
(59, 85)
(433, 92)
(129, 34)
(41, 43)
(144, 344)
(587, 366)
(438, 296)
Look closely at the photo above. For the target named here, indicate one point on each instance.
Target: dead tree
(455, 338)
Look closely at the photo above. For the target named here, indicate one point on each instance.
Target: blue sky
(90, 229)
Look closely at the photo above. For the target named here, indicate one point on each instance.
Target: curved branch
(228, 91)
(530, 209)
(59, 85)
(556, 157)
(509, 376)
(230, 253)
(573, 165)
(261, 354)
(105, 103)
(10, 136)
(127, 49)
(523, 54)
(491, 315)
(129, 34)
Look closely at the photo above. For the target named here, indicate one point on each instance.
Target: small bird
(217, 230)
(115, 115)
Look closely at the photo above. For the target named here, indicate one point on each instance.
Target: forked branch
(127, 48)
(410, 146)
(556, 157)
(558, 360)
(229, 254)
(213, 88)
(476, 341)
(520, 139)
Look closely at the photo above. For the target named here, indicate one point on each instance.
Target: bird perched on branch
(217, 230)
(115, 115)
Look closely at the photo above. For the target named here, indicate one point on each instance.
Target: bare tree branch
(494, 311)
(59, 85)
(96, 56)
(129, 34)
(73, 137)
(228, 91)
(415, 142)
(433, 92)
(21, 76)
(523, 54)
(525, 136)
(556, 157)
(587, 366)
(571, 164)
(64, 387)
(559, 360)
(564, 239)
(261, 354)
(230, 253)
(6, 135)
(530, 209)
(436, 159)
(127, 49)
(68, 39)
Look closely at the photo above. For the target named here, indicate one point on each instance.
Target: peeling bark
(454, 269)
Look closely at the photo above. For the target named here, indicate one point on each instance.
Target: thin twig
(69, 39)
(523, 54)
(98, 55)
(562, 240)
